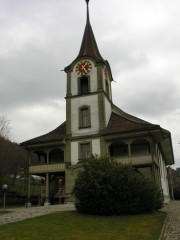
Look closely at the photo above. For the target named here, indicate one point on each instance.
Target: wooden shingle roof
(122, 124)
(57, 134)
(89, 47)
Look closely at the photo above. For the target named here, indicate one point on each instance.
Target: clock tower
(94, 125)
(88, 97)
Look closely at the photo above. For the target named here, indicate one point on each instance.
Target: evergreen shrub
(176, 191)
(105, 187)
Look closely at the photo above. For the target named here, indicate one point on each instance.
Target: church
(94, 125)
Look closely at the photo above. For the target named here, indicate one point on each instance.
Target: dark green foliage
(176, 193)
(12, 159)
(176, 183)
(105, 187)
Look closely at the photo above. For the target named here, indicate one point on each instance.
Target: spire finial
(87, 1)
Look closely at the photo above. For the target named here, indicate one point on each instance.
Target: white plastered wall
(108, 110)
(92, 102)
(164, 178)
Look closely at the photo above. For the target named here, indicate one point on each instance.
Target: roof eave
(42, 144)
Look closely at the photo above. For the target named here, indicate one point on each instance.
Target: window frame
(80, 85)
(84, 121)
(88, 152)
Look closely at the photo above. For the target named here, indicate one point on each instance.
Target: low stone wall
(12, 199)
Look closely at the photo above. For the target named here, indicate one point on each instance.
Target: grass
(20, 186)
(74, 226)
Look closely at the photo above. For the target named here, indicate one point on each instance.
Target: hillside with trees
(176, 182)
(13, 159)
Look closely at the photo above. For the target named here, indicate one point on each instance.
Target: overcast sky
(139, 38)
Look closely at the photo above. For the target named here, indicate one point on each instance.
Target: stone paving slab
(172, 227)
(19, 214)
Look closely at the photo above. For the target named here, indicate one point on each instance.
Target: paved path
(18, 214)
(172, 228)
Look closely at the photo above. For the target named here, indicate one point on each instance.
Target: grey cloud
(39, 38)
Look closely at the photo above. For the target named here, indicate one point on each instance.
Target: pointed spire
(89, 46)
(87, 1)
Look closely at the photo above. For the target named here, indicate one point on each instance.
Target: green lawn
(20, 186)
(74, 226)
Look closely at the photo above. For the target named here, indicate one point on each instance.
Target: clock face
(83, 67)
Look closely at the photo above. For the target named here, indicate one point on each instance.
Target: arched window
(42, 157)
(56, 155)
(140, 147)
(84, 85)
(118, 149)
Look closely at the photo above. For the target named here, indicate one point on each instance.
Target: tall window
(85, 151)
(83, 85)
(84, 117)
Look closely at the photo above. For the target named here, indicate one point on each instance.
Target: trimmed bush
(105, 187)
(176, 193)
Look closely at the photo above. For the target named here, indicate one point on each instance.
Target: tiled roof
(121, 124)
(55, 135)
(89, 46)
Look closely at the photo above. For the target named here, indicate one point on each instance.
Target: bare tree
(12, 157)
(4, 127)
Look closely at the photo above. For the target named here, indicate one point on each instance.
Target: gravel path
(18, 214)
(172, 227)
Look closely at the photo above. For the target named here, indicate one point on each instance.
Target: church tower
(94, 125)
(88, 98)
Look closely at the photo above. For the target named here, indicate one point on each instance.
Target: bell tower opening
(83, 85)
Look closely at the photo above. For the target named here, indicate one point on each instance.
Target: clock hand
(84, 65)
(83, 68)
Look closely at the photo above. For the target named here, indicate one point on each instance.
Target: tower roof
(89, 46)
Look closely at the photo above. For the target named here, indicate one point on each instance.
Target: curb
(164, 227)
